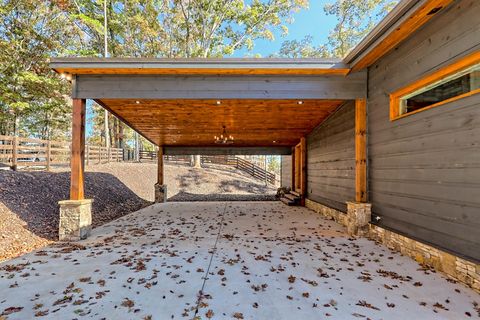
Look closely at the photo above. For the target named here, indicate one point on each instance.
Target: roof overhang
(225, 66)
(186, 102)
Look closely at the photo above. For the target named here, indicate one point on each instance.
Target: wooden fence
(28, 152)
(95, 154)
(239, 163)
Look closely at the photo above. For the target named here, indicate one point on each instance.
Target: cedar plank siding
(331, 159)
(424, 169)
(286, 174)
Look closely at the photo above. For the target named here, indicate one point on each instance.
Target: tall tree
(355, 18)
(33, 99)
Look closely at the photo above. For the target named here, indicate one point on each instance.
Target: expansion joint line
(214, 250)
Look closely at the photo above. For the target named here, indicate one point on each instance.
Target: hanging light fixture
(224, 138)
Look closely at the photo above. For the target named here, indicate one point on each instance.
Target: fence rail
(29, 152)
(239, 163)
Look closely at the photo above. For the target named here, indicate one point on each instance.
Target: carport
(267, 105)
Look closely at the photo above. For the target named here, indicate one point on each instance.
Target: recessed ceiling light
(137, 102)
(219, 102)
(274, 141)
(300, 102)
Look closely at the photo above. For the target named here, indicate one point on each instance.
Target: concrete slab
(264, 261)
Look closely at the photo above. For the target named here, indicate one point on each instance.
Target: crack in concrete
(214, 250)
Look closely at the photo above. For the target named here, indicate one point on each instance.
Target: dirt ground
(29, 199)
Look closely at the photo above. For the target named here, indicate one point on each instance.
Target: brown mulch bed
(29, 205)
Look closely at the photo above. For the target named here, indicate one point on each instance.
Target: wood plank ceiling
(252, 123)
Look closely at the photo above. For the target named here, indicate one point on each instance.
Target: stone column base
(160, 193)
(75, 219)
(358, 218)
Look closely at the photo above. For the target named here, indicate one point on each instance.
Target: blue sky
(312, 21)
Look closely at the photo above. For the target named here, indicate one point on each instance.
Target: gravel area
(29, 199)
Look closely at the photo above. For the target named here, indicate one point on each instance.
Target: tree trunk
(120, 134)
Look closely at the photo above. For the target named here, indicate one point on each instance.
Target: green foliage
(32, 96)
(273, 164)
(355, 19)
(180, 28)
(303, 48)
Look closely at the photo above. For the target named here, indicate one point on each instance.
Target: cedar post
(160, 188)
(360, 150)
(303, 173)
(78, 150)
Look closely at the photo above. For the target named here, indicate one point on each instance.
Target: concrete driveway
(226, 260)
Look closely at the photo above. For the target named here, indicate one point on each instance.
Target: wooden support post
(360, 150)
(14, 152)
(160, 166)
(49, 154)
(78, 150)
(293, 169)
(303, 173)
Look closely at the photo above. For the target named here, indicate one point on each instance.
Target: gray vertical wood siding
(424, 169)
(331, 159)
(286, 171)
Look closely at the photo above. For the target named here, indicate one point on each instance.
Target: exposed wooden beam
(78, 150)
(360, 150)
(160, 168)
(137, 87)
(171, 151)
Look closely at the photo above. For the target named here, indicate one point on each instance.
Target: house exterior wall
(331, 159)
(424, 169)
(286, 172)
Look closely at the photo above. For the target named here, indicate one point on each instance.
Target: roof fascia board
(394, 18)
(240, 64)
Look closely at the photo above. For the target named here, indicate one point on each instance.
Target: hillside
(28, 199)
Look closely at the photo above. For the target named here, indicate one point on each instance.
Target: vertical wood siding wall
(424, 169)
(331, 159)
(286, 171)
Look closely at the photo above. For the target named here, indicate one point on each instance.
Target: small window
(454, 82)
